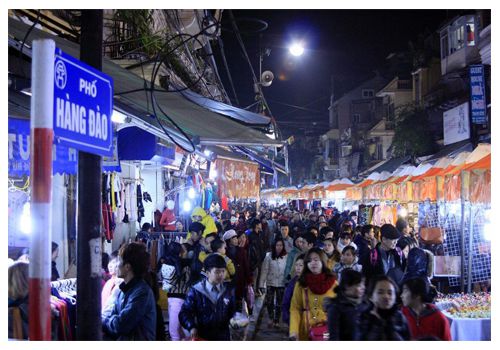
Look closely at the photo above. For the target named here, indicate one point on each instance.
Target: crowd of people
(321, 276)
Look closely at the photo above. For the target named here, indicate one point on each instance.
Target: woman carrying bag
(308, 320)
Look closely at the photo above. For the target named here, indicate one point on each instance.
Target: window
(356, 118)
(469, 28)
(459, 34)
(366, 93)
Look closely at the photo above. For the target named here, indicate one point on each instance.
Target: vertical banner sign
(477, 94)
(83, 104)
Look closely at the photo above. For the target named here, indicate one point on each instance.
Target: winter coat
(206, 220)
(420, 263)
(430, 322)
(256, 250)
(273, 271)
(167, 220)
(176, 286)
(243, 276)
(381, 262)
(343, 317)
(287, 300)
(289, 263)
(298, 313)
(332, 260)
(134, 314)
(364, 247)
(209, 317)
(374, 327)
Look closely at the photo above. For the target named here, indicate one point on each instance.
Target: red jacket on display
(167, 220)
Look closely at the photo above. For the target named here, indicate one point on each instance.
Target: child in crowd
(219, 246)
(345, 239)
(332, 255)
(348, 260)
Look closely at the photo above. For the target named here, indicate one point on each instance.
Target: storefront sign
(83, 104)
(477, 94)
(456, 126)
(64, 159)
(238, 179)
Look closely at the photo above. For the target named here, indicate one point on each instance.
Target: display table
(470, 328)
(469, 315)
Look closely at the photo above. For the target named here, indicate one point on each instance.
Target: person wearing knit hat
(229, 234)
(385, 258)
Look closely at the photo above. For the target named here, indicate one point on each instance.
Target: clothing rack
(66, 285)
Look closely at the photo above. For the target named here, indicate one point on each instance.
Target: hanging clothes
(140, 205)
(157, 218)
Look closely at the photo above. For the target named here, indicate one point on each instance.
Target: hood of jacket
(198, 211)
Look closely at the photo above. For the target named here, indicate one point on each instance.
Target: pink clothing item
(108, 289)
(174, 326)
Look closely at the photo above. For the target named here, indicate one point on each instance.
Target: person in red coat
(424, 319)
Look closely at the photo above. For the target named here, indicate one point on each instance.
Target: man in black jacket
(210, 304)
(385, 258)
(256, 250)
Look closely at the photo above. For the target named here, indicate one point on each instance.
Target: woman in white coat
(271, 280)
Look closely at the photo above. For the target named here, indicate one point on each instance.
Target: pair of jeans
(274, 299)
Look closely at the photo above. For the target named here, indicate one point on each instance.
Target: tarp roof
(391, 165)
(210, 127)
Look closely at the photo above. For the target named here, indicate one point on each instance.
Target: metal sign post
(42, 73)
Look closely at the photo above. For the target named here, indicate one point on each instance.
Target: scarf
(319, 284)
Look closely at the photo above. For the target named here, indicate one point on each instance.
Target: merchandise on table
(474, 305)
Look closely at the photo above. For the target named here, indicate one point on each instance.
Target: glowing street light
(296, 49)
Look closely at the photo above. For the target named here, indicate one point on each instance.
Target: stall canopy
(200, 123)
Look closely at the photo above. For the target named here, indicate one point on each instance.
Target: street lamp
(296, 49)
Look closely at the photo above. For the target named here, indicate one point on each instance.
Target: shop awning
(199, 123)
(239, 114)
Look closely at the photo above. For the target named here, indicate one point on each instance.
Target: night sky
(348, 44)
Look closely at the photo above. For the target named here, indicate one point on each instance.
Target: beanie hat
(229, 234)
(389, 231)
(214, 260)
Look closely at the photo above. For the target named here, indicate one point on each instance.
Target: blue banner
(477, 94)
(64, 159)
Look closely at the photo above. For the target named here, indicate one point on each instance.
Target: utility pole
(88, 310)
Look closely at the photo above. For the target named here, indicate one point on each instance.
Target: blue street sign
(477, 94)
(83, 104)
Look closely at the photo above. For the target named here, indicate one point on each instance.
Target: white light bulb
(296, 49)
(186, 206)
(191, 193)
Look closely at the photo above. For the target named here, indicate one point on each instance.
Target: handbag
(319, 331)
(431, 235)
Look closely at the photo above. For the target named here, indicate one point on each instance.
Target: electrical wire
(26, 37)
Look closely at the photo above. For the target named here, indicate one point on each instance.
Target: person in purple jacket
(298, 266)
